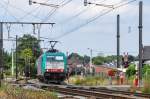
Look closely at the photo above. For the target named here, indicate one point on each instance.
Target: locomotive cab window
(54, 62)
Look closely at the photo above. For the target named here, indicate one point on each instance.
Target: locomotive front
(55, 65)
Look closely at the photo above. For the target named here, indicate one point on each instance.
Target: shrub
(146, 88)
(131, 70)
(19, 93)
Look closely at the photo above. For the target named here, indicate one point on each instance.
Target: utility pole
(91, 54)
(16, 57)
(12, 65)
(118, 46)
(140, 42)
(1, 41)
(118, 41)
(1, 51)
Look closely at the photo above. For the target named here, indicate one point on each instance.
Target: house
(146, 54)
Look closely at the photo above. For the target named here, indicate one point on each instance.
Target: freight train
(52, 66)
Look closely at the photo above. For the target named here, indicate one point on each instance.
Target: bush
(11, 92)
(146, 88)
(89, 81)
(131, 70)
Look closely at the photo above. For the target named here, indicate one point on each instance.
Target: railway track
(95, 93)
(121, 92)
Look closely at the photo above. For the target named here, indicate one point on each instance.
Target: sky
(79, 27)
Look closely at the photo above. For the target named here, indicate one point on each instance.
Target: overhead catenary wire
(83, 11)
(102, 11)
(2, 6)
(22, 10)
(29, 13)
(5, 13)
(94, 18)
(78, 14)
(62, 4)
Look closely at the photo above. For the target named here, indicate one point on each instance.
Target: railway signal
(125, 60)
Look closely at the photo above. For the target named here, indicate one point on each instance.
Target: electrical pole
(12, 65)
(118, 41)
(1, 51)
(16, 57)
(140, 42)
(118, 46)
(1, 42)
(91, 57)
(91, 52)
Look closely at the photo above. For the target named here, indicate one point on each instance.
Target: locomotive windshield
(55, 62)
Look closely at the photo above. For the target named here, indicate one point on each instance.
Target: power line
(62, 4)
(29, 13)
(9, 12)
(5, 13)
(80, 26)
(21, 10)
(78, 14)
(93, 19)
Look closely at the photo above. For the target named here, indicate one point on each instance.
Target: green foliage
(7, 91)
(76, 58)
(131, 58)
(99, 60)
(146, 70)
(131, 70)
(28, 51)
(146, 88)
(7, 60)
(90, 81)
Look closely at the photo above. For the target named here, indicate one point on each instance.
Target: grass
(10, 92)
(88, 81)
(146, 88)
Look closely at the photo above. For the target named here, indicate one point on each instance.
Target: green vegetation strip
(10, 92)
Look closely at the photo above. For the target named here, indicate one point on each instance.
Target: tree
(86, 59)
(98, 60)
(131, 70)
(7, 60)
(28, 51)
(146, 69)
(131, 58)
(76, 58)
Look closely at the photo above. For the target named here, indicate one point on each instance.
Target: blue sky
(71, 28)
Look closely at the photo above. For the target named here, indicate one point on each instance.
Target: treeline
(29, 50)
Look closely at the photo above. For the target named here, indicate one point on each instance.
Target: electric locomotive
(52, 66)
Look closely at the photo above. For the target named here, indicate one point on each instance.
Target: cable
(5, 13)
(27, 14)
(9, 12)
(21, 10)
(78, 14)
(93, 19)
(61, 5)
